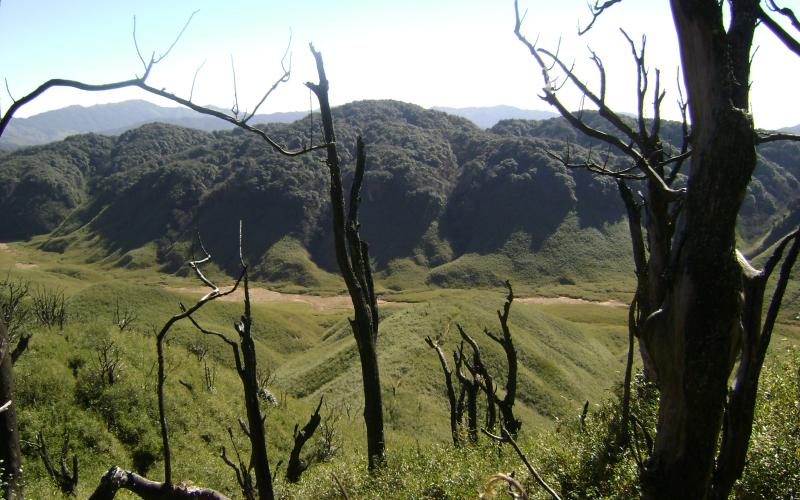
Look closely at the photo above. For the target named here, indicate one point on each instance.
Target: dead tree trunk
(63, 477)
(698, 301)
(506, 404)
(352, 256)
(481, 377)
(255, 422)
(10, 453)
(296, 465)
(470, 387)
(244, 355)
(118, 479)
(455, 416)
(700, 318)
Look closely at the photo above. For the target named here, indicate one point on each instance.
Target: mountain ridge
(116, 118)
(444, 202)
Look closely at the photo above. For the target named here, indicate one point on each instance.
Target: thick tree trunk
(694, 339)
(373, 406)
(9, 431)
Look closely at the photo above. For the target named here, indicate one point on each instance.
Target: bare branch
(175, 42)
(235, 107)
(641, 81)
(597, 168)
(505, 437)
(8, 91)
(141, 83)
(287, 71)
(788, 40)
(604, 110)
(340, 486)
(780, 286)
(786, 12)
(194, 79)
(596, 10)
(136, 45)
(767, 137)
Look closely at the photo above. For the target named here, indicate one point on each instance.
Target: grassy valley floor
(571, 341)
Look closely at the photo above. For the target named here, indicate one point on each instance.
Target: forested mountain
(443, 199)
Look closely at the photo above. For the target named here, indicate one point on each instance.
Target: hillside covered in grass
(305, 350)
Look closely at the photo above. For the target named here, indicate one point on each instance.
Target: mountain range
(444, 202)
(116, 118)
(113, 119)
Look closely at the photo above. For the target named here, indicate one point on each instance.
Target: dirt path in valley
(569, 300)
(320, 303)
(19, 265)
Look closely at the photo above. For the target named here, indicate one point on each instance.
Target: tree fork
(353, 259)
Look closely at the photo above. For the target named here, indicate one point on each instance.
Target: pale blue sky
(430, 52)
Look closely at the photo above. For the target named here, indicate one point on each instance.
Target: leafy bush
(773, 459)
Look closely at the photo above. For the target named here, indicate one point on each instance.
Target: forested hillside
(444, 202)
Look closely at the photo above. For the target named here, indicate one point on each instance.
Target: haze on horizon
(444, 53)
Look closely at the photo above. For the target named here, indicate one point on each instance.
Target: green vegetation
(444, 203)
(451, 212)
(568, 353)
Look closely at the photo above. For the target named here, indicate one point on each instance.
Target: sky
(455, 53)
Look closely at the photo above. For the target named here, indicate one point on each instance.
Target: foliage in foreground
(580, 458)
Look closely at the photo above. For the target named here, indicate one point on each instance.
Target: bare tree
(10, 454)
(352, 256)
(481, 379)
(453, 403)
(298, 465)
(244, 355)
(65, 478)
(698, 304)
(352, 253)
(50, 307)
(109, 361)
(16, 313)
(117, 478)
(124, 316)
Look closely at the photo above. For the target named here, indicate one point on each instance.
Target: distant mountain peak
(113, 119)
(489, 116)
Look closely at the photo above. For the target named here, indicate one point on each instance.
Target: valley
(450, 212)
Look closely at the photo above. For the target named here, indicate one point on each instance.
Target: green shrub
(772, 469)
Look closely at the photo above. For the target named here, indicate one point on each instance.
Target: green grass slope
(562, 362)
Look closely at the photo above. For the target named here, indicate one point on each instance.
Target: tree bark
(694, 343)
(296, 465)
(455, 418)
(255, 422)
(116, 479)
(352, 257)
(9, 431)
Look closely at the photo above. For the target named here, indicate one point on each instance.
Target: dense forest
(438, 192)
